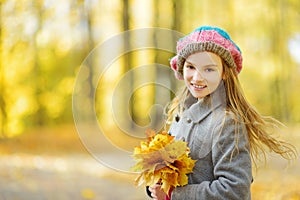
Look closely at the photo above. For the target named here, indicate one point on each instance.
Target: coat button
(188, 120)
(177, 118)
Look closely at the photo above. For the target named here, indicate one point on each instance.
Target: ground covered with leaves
(52, 163)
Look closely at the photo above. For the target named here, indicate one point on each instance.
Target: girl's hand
(157, 193)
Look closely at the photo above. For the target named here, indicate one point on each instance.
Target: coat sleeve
(231, 167)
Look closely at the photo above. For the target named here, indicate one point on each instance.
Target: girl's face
(202, 73)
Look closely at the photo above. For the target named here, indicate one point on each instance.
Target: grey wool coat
(220, 146)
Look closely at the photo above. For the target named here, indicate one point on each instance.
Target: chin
(199, 96)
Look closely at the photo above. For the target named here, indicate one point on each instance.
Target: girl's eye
(209, 69)
(190, 67)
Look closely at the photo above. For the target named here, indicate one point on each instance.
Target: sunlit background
(43, 44)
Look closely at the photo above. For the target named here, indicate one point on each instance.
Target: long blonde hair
(259, 128)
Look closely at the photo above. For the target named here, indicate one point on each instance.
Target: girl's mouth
(198, 86)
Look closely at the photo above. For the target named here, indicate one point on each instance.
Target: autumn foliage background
(43, 44)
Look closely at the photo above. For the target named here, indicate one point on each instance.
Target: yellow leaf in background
(88, 194)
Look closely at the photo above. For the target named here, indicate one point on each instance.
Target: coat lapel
(202, 109)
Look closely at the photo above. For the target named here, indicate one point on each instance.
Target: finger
(157, 186)
(153, 195)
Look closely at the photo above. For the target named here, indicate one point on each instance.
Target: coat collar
(202, 108)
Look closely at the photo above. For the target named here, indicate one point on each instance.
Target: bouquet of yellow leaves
(162, 159)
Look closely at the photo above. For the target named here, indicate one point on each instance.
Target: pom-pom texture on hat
(207, 38)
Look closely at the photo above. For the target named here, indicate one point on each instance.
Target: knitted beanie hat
(207, 38)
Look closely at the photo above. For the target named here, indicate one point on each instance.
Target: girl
(212, 115)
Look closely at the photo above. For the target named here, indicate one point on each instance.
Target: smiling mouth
(198, 86)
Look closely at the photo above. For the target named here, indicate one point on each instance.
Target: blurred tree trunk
(86, 18)
(38, 78)
(90, 46)
(127, 65)
(177, 19)
(176, 26)
(162, 95)
(3, 116)
(284, 67)
(279, 48)
(158, 91)
(163, 58)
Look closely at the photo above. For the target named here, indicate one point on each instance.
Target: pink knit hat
(207, 38)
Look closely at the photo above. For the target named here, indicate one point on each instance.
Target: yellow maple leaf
(176, 149)
(160, 141)
(162, 159)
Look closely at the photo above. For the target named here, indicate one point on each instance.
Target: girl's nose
(197, 76)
